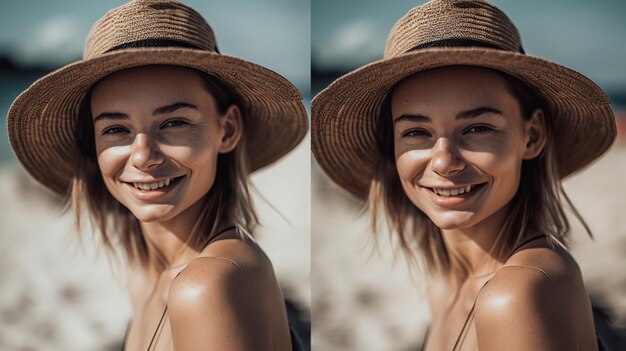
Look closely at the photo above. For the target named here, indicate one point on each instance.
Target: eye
(415, 133)
(113, 130)
(479, 129)
(173, 123)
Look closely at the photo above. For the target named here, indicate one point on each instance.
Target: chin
(148, 215)
(452, 221)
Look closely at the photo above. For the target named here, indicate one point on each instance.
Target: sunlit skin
(154, 125)
(456, 127)
(160, 124)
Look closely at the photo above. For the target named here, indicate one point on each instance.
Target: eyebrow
(173, 107)
(473, 113)
(157, 111)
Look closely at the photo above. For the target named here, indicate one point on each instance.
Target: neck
(169, 243)
(469, 248)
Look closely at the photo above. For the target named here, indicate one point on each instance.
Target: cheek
(111, 161)
(204, 164)
(503, 166)
(192, 150)
(201, 161)
(411, 164)
(503, 162)
(507, 177)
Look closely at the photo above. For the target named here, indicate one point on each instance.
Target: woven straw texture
(41, 121)
(345, 114)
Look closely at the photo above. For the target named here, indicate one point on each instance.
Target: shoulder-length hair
(227, 202)
(536, 207)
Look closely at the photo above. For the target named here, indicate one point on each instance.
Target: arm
(525, 309)
(218, 305)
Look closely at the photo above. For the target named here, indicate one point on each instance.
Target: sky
(587, 36)
(272, 33)
(282, 35)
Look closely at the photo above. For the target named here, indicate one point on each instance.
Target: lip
(155, 194)
(455, 200)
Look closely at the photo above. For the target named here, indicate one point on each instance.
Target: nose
(145, 152)
(446, 158)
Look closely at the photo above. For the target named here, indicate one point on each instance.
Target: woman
(460, 140)
(153, 134)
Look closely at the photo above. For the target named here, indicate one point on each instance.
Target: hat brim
(344, 115)
(42, 119)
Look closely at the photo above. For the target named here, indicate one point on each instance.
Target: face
(459, 140)
(158, 134)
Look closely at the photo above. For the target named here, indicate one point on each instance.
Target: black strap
(527, 241)
(215, 236)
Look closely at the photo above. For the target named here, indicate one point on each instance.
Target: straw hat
(444, 33)
(41, 120)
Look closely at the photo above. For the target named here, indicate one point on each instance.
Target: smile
(454, 197)
(454, 191)
(156, 185)
(448, 192)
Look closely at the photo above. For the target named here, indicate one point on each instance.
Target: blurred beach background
(362, 297)
(57, 295)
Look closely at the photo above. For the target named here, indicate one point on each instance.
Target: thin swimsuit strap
(471, 312)
(159, 328)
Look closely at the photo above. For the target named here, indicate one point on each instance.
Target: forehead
(149, 86)
(450, 86)
(149, 78)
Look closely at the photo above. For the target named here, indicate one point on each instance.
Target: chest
(451, 333)
(149, 328)
(452, 326)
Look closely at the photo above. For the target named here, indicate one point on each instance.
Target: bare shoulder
(524, 284)
(245, 252)
(230, 266)
(227, 293)
(555, 261)
(535, 301)
(532, 273)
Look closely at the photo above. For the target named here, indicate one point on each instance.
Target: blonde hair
(228, 202)
(537, 205)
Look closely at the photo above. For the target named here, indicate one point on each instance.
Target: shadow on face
(158, 132)
(459, 138)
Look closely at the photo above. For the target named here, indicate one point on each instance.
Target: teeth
(153, 186)
(453, 192)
